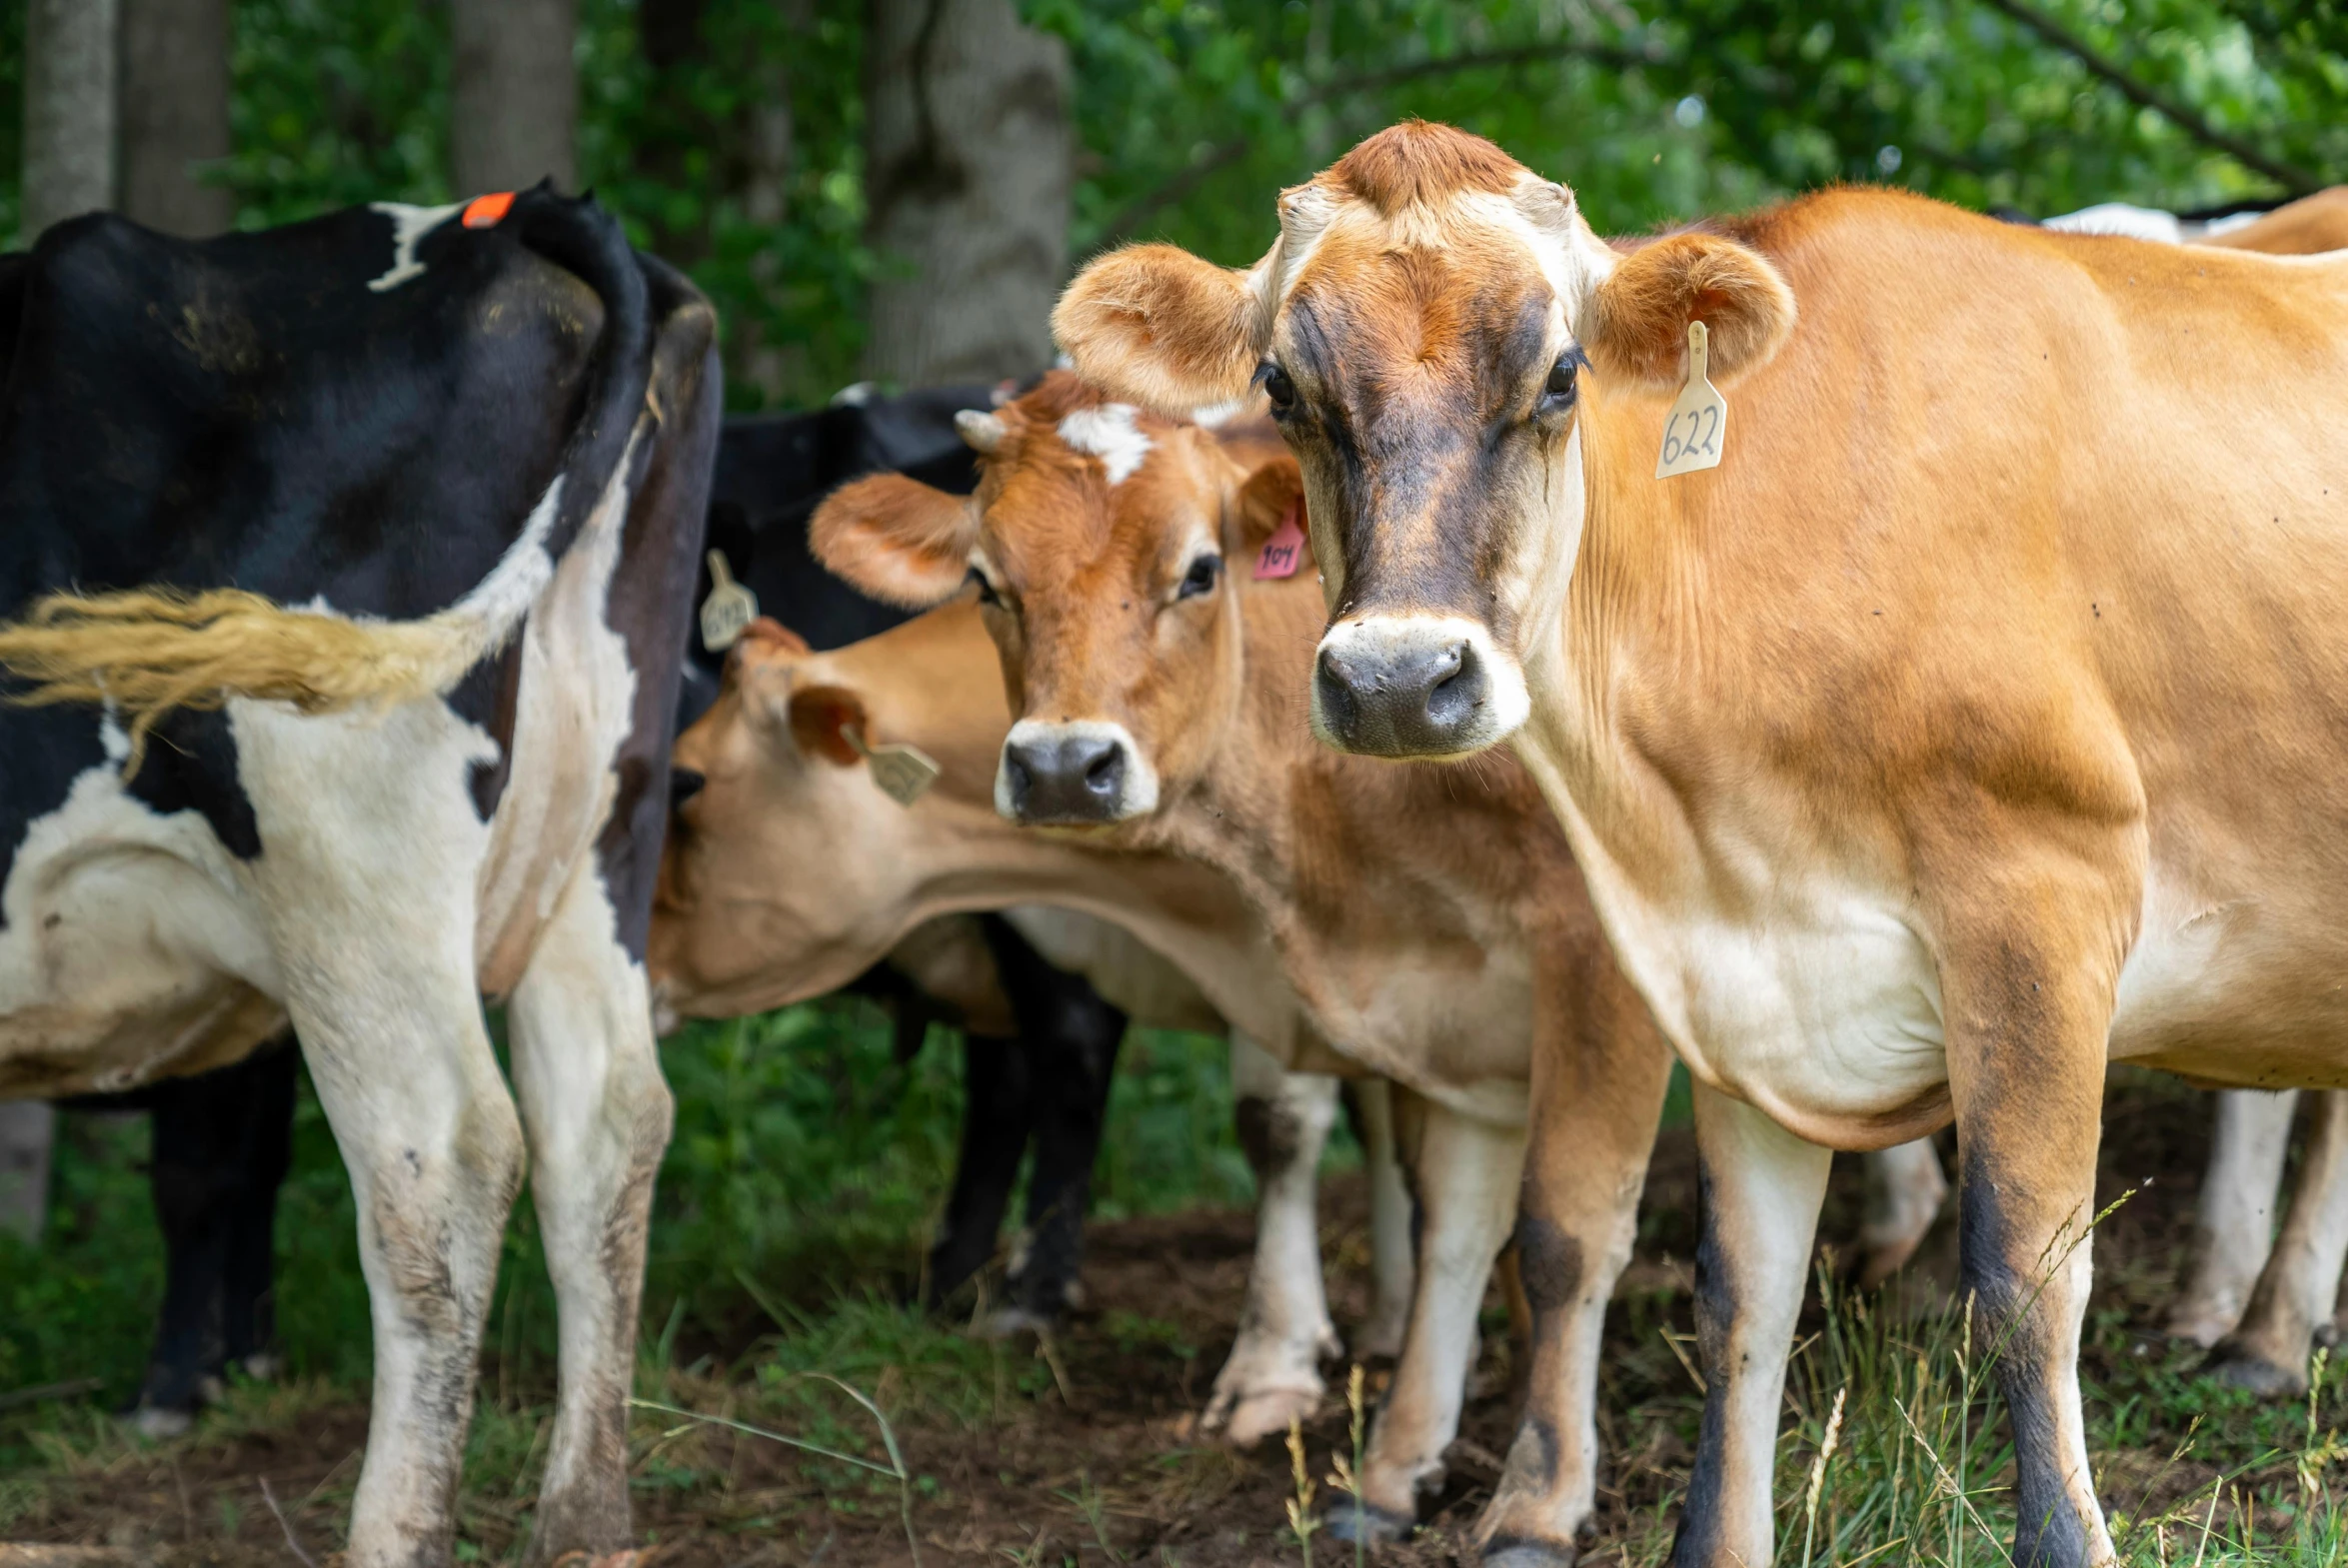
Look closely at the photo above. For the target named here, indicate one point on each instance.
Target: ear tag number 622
(1698, 421)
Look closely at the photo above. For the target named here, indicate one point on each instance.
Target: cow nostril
(1106, 772)
(1460, 687)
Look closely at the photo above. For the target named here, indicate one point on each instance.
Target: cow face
(1429, 329)
(787, 868)
(1100, 548)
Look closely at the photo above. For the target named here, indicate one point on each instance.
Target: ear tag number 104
(1698, 421)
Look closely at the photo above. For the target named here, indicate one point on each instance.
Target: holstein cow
(351, 563)
(1432, 923)
(790, 869)
(1972, 720)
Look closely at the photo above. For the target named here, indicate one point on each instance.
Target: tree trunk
(68, 110)
(514, 94)
(967, 158)
(175, 114)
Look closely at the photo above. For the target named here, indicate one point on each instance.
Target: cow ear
(821, 719)
(1636, 326)
(1155, 325)
(1267, 497)
(897, 539)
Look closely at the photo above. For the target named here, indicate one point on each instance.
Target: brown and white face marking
(1423, 329)
(1099, 544)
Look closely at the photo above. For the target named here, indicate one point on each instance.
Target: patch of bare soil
(1109, 1471)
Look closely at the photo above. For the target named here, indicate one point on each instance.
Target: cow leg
(1274, 1371)
(997, 1115)
(1391, 1267)
(1072, 1038)
(2234, 1220)
(1758, 1189)
(1905, 1189)
(219, 1153)
(2267, 1352)
(589, 1079)
(1464, 1175)
(1597, 1097)
(2028, 1028)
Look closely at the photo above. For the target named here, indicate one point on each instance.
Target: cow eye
(1201, 578)
(1280, 390)
(1558, 391)
(987, 593)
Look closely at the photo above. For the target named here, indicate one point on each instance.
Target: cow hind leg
(1464, 1175)
(2267, 1351)
(2234, 1218)
(995, 1120)
(1906, 1189)
(587, 1076)
(1391, 1267)
(1072, 1110)
(1272, 1374)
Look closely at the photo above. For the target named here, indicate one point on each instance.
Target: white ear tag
(729, 609)
(1698, 420)
(904, 773)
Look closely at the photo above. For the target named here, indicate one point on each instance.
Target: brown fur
(2306, 227)
(1419, 162)
(1637, 324)
(924, 568)
(1198, 319)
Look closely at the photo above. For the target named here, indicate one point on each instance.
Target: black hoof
(2239, 1369)
(1367, 1523)
(1517, 1552)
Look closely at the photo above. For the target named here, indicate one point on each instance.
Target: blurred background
(894, 189)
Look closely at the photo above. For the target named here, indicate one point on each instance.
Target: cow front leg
(1464, 1176)
(2028, 1024)
(589, 1079)
(2267, 1351)
(1597, 1097)
(1392, 1266)
(2234, 1218)
(1071, 1109)
(1273, 1372)
(996, 1116)
(1758, 1190)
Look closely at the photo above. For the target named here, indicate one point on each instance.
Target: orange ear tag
(1283, 553)
(483, 212)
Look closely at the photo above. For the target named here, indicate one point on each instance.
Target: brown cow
(790, 871)
(1432, 922)
(1977, 717)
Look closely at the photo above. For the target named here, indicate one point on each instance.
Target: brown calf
(1432, 922)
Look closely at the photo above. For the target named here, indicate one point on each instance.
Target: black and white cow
(351, 563)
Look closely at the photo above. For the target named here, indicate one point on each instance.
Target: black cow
(1047, 1084)
(350, 565)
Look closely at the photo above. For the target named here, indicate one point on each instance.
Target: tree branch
(2296, 180)
(1224, 154)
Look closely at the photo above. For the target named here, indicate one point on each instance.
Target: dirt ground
(1111, 1466)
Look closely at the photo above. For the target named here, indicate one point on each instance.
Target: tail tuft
(147, 652)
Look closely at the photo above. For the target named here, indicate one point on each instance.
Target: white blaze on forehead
(1109, 434)
(408, 224)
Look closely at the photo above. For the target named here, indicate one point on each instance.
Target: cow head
(1101, 545)
(1433, 328)
(787, 871)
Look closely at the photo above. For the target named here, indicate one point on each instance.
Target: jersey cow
(1157, 648)
(1889, 745)
(350, 564)
(791, 869)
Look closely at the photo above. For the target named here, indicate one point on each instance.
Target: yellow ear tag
(729, 609)
(1699, 418)
(904, 773)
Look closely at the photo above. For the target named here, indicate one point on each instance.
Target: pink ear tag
(1283, 553)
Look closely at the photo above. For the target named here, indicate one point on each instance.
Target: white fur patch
(408, 224)
(2119, 218)
(1109, 434)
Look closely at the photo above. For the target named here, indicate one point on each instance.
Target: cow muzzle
(1413, 685)
(1082, 773)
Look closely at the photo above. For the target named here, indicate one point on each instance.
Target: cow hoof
(1011, 1322)
(156, 1422)
(1380, 1339)
(1368, 1524)
(2240, 1369)
(1261, 1413)
(1527, 1554)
